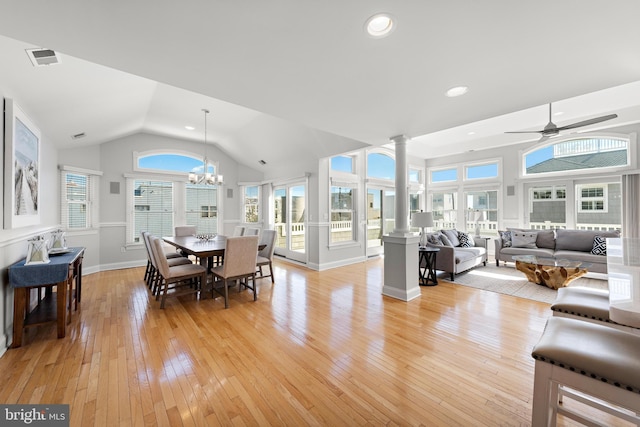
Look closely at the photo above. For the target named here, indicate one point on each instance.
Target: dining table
(208, 248)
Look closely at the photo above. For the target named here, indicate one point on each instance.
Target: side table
(427, 266)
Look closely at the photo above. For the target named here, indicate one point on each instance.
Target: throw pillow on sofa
(445, 240)
(505, 236)
(452, 235)
(524, 239)
(466, 241)
(434, 239)
(599, 245)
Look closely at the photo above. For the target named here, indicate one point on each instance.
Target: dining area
(207, 265)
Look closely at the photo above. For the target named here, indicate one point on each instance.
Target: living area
(528, 263)
(110, 85)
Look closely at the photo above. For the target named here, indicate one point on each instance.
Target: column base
(401, 267)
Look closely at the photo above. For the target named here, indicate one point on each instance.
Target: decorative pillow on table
(506, 238)
(466, 241)
(524, 239)
(599, 245)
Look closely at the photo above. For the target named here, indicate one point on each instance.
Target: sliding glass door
(290, 221)
(380, 217)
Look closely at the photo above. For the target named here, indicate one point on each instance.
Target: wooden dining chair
(180, 276)
(265, 255)
(240, 255)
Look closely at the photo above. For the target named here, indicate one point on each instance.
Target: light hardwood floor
(317, 348)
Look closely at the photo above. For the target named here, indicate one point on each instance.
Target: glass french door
(380, 217)
(290, 221)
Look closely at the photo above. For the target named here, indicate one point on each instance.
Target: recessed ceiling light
(189, 128)
(457, 91)
(558, 113)
(379, 25)
(471, 133)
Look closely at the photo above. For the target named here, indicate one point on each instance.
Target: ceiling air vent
(78, 135)
(40, 57)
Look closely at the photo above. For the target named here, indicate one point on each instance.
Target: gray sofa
(574, 245)
(454, 258)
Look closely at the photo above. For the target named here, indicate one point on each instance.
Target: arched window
(586, 153)
(173, 162)
(582, 193)
(381, 166)
(163, 197)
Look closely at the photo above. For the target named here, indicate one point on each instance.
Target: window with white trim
(444, 207)
(547, 207)
(152, 208)
(343, 216)
(592, 198)
(580, 155)
(78, 198)
(75, 214)
(343, 164)
(481, 171)
(202, 207)
(251, 204)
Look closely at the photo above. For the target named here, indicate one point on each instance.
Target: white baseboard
(118, 266)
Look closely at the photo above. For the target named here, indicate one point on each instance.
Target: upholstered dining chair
(181, 231)
(184, 230)
(265, 255)
(238, 231)
(240, 255)
(179, 276)
(251, 231)
(173, 258)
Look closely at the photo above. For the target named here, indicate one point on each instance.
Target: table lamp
(422, 220)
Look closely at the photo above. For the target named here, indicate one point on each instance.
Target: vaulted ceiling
(287, 78)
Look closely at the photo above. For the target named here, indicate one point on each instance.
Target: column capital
(400, 138)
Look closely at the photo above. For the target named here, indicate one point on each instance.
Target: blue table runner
(21, 275)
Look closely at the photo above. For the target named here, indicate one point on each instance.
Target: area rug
(507, 280)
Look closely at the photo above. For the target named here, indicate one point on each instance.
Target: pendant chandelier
(206, 177)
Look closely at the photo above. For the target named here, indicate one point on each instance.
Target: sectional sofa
(575, 245)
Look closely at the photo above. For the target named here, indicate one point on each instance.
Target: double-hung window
(251, 204)
(152, 208)
(342, 226)
(202, 207)
(79, 191)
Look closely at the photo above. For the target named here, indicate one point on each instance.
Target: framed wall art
(21, 168)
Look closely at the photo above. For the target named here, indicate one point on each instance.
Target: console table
(61, 272)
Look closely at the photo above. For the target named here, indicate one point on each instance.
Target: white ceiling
(288, 78)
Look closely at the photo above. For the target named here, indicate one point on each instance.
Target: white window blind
(78, 198)
(202, 207)
(152, 208)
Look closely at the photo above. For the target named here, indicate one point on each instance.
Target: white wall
(13, 243)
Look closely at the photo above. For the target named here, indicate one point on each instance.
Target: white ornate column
(400, 246)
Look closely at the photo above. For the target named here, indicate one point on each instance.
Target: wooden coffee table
(551, 272)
